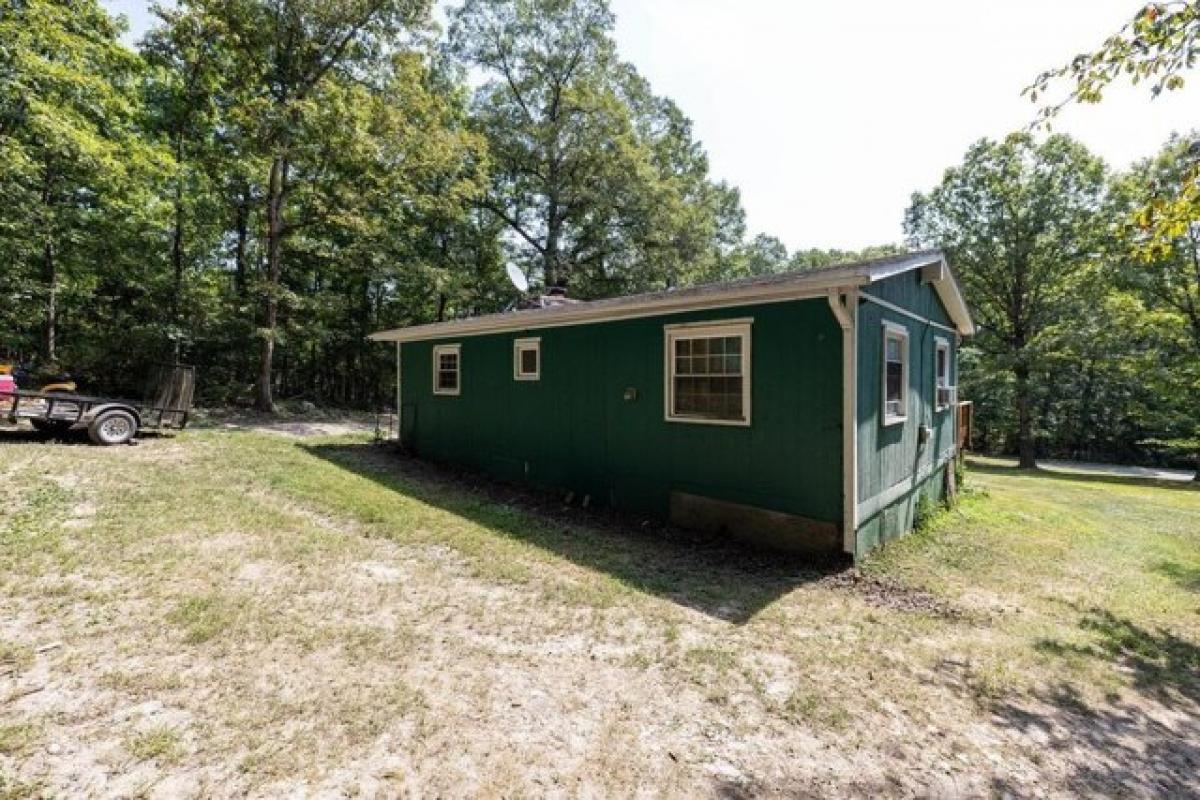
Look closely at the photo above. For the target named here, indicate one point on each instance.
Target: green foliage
(1057, 274)
(263, 183)
(598, 181)
(1020, 221)
(1156, 47)
(926, 510)
(81, 180)
(1157, 258)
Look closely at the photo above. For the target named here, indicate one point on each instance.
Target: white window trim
(892, 329)
(700, 330)
(520, 346)
(939, 344)
(438, 351)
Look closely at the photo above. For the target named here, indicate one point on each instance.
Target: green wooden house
(807, 410)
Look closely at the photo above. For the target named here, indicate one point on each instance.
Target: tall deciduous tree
(1160, 261)
(187, 89)
(1157, 253)
(282, 53)
(597, 180)
(1158, 48)
(77, 166)
(1019, 219)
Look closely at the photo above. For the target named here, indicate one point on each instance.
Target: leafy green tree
(1114, 365)
(186, 90)
(765, 255)
(79, 173)
(373, 241)
(815, 258)
(281, 56)
(1019, 220)
(1162, 263)
(597, 180)
(1157, 47)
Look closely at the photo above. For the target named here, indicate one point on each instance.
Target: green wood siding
(574, 429)
(898, 517)
(908, 291)
(893, 467)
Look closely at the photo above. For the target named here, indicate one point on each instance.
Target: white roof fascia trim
(582, 315)
(890, 270)
(951, 294)
(947, 288)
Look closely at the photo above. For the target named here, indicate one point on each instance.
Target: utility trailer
(107, 421)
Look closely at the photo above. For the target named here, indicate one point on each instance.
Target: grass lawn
(239, 612)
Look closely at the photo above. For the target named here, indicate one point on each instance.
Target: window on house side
(527, 359)
(943, 389)
(708, 373)
(895, 374)
(447, 367)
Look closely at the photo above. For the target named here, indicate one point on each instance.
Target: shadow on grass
(1162, 665)
(1145, 744)
(1078, 477)
(716, 577)
(1187, 577)
(23, 435)
(1117, 750)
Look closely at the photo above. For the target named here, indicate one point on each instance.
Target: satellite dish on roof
(517, 277)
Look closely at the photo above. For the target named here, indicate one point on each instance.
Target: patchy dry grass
(236, 613)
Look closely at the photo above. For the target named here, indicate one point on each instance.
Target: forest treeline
(259, 184)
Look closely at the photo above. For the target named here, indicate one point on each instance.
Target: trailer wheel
(113, 427)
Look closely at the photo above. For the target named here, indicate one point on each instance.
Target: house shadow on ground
(720, 578)
(1144, 742)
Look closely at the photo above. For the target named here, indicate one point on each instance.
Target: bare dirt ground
(298, 425)
(229, 614)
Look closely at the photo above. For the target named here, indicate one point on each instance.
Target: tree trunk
(50, 342)
(241, 225)
(276, 195)
(49, 272)
(1025, 445)
(554, 276)
(177, 258)
(554, 227)
(1085, 412)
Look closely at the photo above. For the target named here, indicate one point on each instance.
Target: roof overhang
(936, 271)
(753, 291)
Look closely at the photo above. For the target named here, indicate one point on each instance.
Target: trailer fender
(96, 411)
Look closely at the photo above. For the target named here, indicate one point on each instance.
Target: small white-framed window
(447, 369)
(708, 373)
(943, 389)
(895, 373)
(527, 359)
